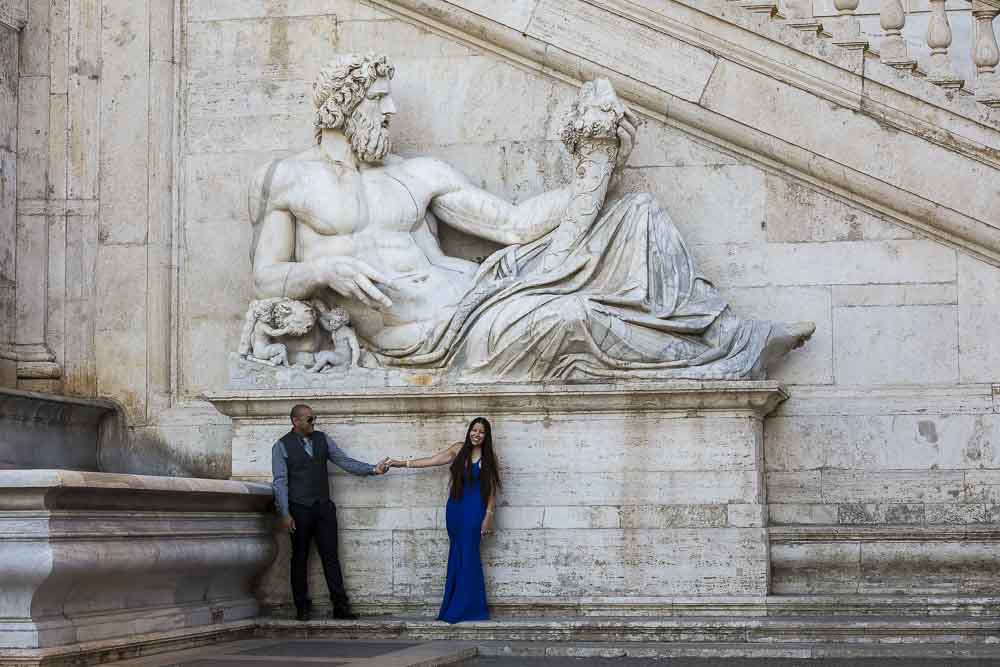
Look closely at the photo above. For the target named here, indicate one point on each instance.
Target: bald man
(302, 495)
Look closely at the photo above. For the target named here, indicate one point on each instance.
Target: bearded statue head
(346, 97)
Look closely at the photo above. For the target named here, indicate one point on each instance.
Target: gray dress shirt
(279, 468)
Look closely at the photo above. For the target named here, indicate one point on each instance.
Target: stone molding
(910, 533)
(782, 53)
(51, 490)
(752, 398)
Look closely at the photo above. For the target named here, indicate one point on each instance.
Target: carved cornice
(755, 399)
(51, 490)
(913, 533)
(912, 107)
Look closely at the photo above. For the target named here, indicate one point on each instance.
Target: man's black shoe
(302, 615)
(344, 614)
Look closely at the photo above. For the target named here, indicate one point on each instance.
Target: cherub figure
(267, 319)
(337, 321)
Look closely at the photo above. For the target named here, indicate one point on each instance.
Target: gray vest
(308, 480)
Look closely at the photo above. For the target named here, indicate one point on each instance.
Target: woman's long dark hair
(489, 471)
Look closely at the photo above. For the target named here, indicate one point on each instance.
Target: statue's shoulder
(431, 170)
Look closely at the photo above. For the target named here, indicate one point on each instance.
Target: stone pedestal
(645, 498)
(94, 556)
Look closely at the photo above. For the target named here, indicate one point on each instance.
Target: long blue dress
(465, 588)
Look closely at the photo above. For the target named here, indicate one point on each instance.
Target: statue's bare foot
(784, 337)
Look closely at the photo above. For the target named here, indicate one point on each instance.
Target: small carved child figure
(336, 320)
(271, 318)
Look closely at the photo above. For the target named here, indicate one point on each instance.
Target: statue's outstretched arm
(475, 211)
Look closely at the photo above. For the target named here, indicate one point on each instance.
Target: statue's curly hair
(343, 84)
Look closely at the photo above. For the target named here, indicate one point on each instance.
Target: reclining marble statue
(581, 289)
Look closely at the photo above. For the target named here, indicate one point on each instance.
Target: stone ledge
(22, 490)
(691, 399)
(908, 533)
(97, 652)
(789, 631)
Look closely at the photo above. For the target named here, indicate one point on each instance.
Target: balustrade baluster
(985, 54)
(940, 71)
(848, 31)
(893, 51)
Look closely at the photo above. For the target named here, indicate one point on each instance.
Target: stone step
(763, 633)
(652, 650)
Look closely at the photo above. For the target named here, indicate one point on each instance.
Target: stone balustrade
(932, 53)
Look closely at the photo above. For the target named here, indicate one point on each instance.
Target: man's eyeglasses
(310, 419)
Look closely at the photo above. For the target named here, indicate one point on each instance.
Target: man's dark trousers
(318, 520)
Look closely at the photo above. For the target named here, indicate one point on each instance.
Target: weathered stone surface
(43, 431)
(114, 544)
(798, 214)
(900, 345)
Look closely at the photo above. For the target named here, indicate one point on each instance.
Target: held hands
(288, 523)
(382, 466)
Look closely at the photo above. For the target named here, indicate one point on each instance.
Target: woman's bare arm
(442, 458)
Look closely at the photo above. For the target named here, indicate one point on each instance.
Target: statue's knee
(572, 310)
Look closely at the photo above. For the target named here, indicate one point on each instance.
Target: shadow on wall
(173, 451)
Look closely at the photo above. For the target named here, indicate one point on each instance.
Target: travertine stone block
(228, 10)
(853, 262)
(931, 486)
(781, 513)
(32, 137)
(799, 214)
(124, 179)
(513, 14)
(914, 294)
(978, 319)
(731, 196)
(798, 569)
(896, 345)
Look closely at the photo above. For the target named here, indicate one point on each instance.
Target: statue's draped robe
(627, 301)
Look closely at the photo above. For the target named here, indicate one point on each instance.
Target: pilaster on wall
(13, 16)
(94, 202)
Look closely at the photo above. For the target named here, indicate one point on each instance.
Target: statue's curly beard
(370, 140)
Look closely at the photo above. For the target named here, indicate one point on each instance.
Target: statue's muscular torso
(375, 215)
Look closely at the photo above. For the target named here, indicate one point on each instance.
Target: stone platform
(614, 497)
(91, 557)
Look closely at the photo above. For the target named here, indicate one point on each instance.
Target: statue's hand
(355, 279)
(626, 137)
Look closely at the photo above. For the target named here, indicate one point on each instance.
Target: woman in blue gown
(475, 480)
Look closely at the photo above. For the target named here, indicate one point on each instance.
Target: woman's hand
(396, 463)
(487, 527)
